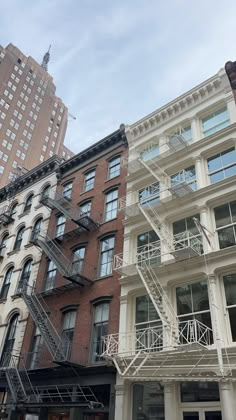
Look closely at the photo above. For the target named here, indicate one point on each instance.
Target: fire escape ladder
(159, 299)
(56, 346)
(63, 205)
(15, 384)
(157, 173)
(157, 224)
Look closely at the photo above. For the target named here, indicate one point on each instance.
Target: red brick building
(76, 284)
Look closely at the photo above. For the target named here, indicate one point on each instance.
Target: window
(100, 329)
(25, 275)
(151, 151)
(85, 209)
(19, 238)
(230, 297)
(111, 205)
(215, 122)
(106, 257)
(151, 407)
(28, 203)
(9, 341)
(114, 167)
(67, 190)
(148, 325)
(187, 175)
(68, 326)
(45, 192)
(6, 283)
(225, 217)
(50, 275)
(147, 248)
(222, 165)
(149, 194)
(186, 232)
(89, 179)
(36, 345)
(78, 260)
(193, 303)
(3, 245)
(36, 229)
(199, 391)
(60, 226)
(13, 209)
(185, 132)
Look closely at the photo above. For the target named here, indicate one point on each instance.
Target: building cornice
(178, 106)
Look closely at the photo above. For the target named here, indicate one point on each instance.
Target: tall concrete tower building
(33, 120)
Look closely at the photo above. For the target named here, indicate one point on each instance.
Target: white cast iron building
(20, 213)
(176, 351)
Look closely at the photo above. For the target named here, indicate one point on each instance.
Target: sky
(115, 61)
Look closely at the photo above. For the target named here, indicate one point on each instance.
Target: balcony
(5, 216)
(185, 245)
(76, 271)
(191, 334)
(65, 206)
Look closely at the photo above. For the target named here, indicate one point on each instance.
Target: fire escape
(163, 350)
(21, 390)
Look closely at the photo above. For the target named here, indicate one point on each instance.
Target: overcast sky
(114, 61)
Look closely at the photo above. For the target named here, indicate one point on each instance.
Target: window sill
(103, 277)
(110, 179)
(25, 213)
(107, 221)
(15, 251)
(29, 245)
(16, 296)
(3, 300)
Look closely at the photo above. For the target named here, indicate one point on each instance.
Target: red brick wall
(108, 286)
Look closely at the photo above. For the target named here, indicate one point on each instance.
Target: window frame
(112, 201)
(25, 274)
(60, 227)
(28, 203)
(50, 275)
(101, 323)
(228, 226)
(214, 127)
(88, 185)
(79, 261)
(18, 242)
(68, 332)
(102, 253)
(85, 213)
(3, 245)
(9, 343)
(223, 167)
(110, 167)
(67, 190)
(6, 283)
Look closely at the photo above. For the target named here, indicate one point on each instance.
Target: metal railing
(152, 339)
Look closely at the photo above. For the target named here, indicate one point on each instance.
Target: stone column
(227, 400)
(196, 131)
(121, 403)
(171, 408)
(200, 172)
(231, 110)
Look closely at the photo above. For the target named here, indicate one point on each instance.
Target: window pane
(148, 401)
(233, 210)
(222, 215)
(200, 296)
(184, 300)
(218, 176)
(214, 163)
(232, 318)
(228, 157)
(230, 288)
(199, 391)
(179, 227)
(141, 309)
(226, 237)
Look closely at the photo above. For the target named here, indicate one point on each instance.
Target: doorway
(202, 414)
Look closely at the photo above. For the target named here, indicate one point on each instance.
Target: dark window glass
(89, 179)
(225, 217)
(34, 355)
(106, 256)
(222, 165)
(9, 341)
(45, 192)
(6, 283)
(13, 209)
(36, 229)
(148, 401)
(50, 275)
(28, 203)
(67, 190)
(60, 226)
(199, 391)
(19, 238)
(68, 326)
(114, 168)
(3, 246)
(25, 275)
(111, 206)
(100, 329)
(78, 260)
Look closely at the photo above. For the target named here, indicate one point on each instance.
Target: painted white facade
(176, 361)
(10, 302)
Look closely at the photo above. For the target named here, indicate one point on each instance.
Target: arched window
(13, 209)
(28, 202)
(9, 341)
(25, 275)
(19, 238)
(6, 283)
(45, 192)
(36, 229)
(3, 245)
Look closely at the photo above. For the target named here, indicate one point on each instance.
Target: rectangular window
(150, 194)
(114, 168)
(106, 256)
(222, 165)
(225, 217)
(68, 327)
(193, 303)
(60, 226)
(185, 233)
(50, 275)
(67, 190)
(151, 151)
(85, 209)
(199, 391)
(185, 132)
(89, 179)
(187, 175)
(148, 325)
(34, 356)
(78, 260)
(148, 248)
(230, 297)
(100, 329)
(111, 205)
(215, 121)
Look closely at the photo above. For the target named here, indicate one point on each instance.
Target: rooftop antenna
(46, 59)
